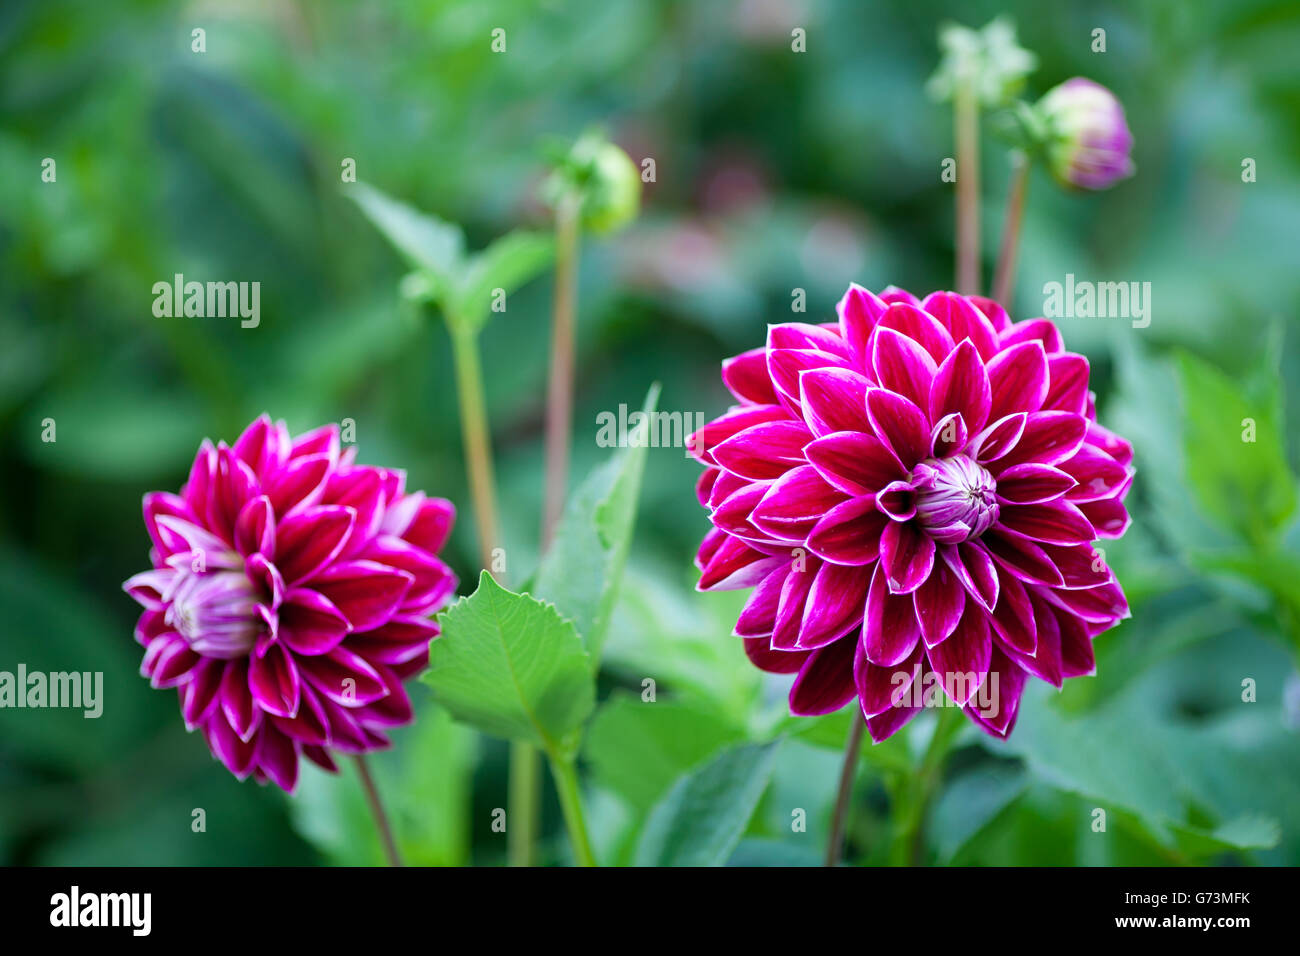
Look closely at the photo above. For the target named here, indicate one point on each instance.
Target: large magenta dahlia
(913, 493)
(289, 598)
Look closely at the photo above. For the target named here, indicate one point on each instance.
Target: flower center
(215, 612)
(956, 499)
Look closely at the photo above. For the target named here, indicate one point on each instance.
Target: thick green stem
(524, 802)
(916, 792)
(1006, 269)
(566, 785)
(966, 132)
(852, 748)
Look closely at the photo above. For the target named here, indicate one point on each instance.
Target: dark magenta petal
(833, 400)
(854, 462)
(1013, 618)
(825, 682)
(787, 366)
(311, 539)
(849, 533)
(366, 592)
(1042, 331)
(430, 527)
(277, 757)
(299, 485)
(794, 503)
(201, 693)
(765, 658)
(701, 443)
(858, 311)
(758, 619)
(920, 327)
(884, 726)
(996, 315)
(311, 724)
(906, 556)
(1098, 475)
(747, 378)
(732, 513)
(310, 623)
(255, 528)
(995, 708)
(1077, 658)
(891, 630)
(803, 335)
(318, 441)
(1031, 483)
(948, 436)
(897, 500)
(1108, 516)
(238, 755)
(362, 490)
(961, 385)
(734, 564)
(1048, 438)
(963, 321)
(974, 569)
(264, 447)
(1082, 565)
(881, 688)
(1118, 448)
(1103, 604)
(902, 365)
(1018, 377)
(1067, 377)
(162, 503)
(962, 661)
(898, 423)
(399, 641)
(793, 603)
(999, 438)
(939, 603)
(1045, 663)
(764, 451)
(1053, 522)
(836, 603)
(237, 701)
(1021, 556)
(343, 677)
(274, 682)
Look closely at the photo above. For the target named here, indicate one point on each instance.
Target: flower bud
(1089, 141)
(605, 180)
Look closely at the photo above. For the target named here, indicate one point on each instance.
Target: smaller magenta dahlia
(290, 596)
(913, 492)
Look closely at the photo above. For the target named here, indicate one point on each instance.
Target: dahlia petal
(995, 709)
(793, 603)
(238, 755)
(1013, 617)
(732, 513)
(1053, 522)
(891, 631)
(1098, 475)
(991, 310)
(786, 366)
(764, 451)
(1103, 604)
(825, 682)
(961, 385)
(344, 677)
(922, 328)
(884, 726)
(1022, 557)
(746, 377)
(999, 438)
(963, 321)
(277, 756)
(902, 365)
(971, 564)
(892, 295)
(793, 504)
(962, 661)
(898, 423)
(1077, 657)
(197, 487)
(319, 441)
(906, 557)
(1043, 331)
(704, 485)
(1018, 377)
(309, 540)
(274, 682)
(393, 709)
(1108, 516)
(158, 503)
(1067, 376)
(734, 565)
(766, 658)
(321, 757)
(233, 484)
(202, 544)
(803, 335)
(725, 486)
(299, 484)
(1032, 483)
(882, 688)
(701, 443)
(1048, 438)
(836, 603)
(939, 603)
(255, 527)
(834, 400)
(310, 725)
(267, 576)
(262, 447)
(858, 311)
(237, 701)
(433, 582)
(430, 527)
(1045, 662)
(897, 501)
(758, 618)
(1080, 565)
(849, 533)
(948, 436)
(310, 623)
(149, 587)
(201, 693)
(854, 462)
(398, 641)
(1105, 439)
(366, 592)
(362, 490)
(173, 664)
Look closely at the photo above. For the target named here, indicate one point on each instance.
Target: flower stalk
(377, 811)
(839, 819)
(966, 133)
(1005, 275)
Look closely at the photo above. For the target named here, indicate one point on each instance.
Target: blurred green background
(775, 171)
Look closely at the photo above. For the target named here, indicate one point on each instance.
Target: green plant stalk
(852, 748)
(917, 790)
(966, 130)
(559, 394)
(523, 799)
(566, 786)
(1005, 274)
(377, 811)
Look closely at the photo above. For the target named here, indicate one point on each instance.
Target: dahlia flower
(289, 598)
(913, 493)
(1088, 138)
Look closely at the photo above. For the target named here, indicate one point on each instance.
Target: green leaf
(638, 749)
(511, 666)
(970, 803)
(1240, 478)
(702, 818)
(584, 565)
(426, 241)
(426, 781)
(506, 264)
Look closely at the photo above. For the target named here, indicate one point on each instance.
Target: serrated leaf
(425, 241)
(584, 565)
(511, 666)
(703, 816)
(638, 749)
(506, 264)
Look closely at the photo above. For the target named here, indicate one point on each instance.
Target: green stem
(559, 394)
(966, 118)
(915, 794)
(523, 802)
(852, 748)
(377, 811)
(566, 785)
(1006, 268)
